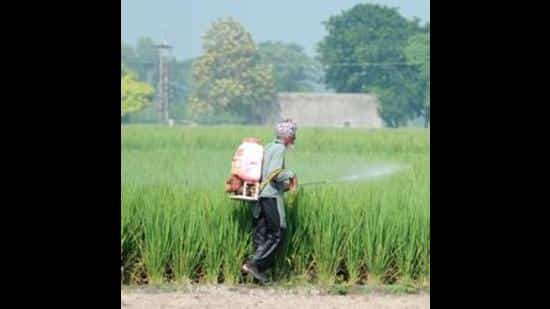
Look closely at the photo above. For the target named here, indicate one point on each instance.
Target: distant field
(373, 225)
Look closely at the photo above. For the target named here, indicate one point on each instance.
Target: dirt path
(226, 297)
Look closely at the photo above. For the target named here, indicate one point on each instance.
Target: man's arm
(275, 168)
(277, 161)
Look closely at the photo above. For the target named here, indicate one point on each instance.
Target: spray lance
(294, 195)
(323, 182)
(373, 172)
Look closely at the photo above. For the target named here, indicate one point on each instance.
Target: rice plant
(370, 222)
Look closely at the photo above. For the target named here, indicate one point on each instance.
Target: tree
(294, 71)
(417, 53)
(180, 84)
(143, 60)
(129, 57)
(363, 52)
(135, 95)
(229, 77)
(148, 58)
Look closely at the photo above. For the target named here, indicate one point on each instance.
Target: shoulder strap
(270, 178)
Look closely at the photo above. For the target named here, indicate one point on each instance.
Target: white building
(330, 109)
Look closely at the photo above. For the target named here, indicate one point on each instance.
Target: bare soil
(220, 296)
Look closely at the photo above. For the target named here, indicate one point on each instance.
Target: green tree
(294, 71)
(143, 60)
(229, 77)
(363, 52)
(180, 77)
(417, 53)
(148, 58)
(135, 95)
(129, 57)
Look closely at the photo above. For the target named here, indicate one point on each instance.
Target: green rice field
(369, 223)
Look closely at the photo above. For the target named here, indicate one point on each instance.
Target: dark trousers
(268, 234)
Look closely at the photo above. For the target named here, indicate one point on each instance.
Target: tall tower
(165, 54)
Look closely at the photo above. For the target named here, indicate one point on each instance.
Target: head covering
(286, 128)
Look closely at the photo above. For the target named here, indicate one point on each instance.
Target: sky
(183, 22)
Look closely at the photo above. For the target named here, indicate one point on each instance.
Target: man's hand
(294, 184)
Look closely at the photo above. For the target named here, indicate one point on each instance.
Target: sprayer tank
(247, 161)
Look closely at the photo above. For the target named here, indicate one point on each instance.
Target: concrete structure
(330, 109)
(161, 103)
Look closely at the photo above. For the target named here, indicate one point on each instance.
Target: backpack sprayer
(245, 182)
(246, 171)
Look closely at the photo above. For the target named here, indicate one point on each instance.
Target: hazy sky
(183, 22)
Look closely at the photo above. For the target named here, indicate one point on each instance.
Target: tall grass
(178, 225)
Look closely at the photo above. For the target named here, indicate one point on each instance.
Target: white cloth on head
(286, 128)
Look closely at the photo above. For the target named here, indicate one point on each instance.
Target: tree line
(367, 49)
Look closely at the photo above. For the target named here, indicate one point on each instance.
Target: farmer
(269, 212)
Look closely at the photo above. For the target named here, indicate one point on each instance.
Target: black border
(480, 253)
(64, 166)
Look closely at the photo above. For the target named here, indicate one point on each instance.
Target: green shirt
(274, 166)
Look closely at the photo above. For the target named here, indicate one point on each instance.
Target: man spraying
(269, 212)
